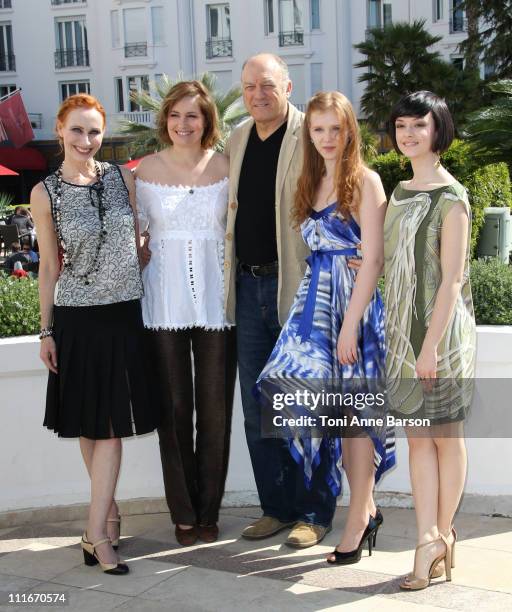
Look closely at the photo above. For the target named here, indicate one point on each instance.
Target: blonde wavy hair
(349, 164)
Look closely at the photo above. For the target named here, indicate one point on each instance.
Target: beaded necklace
(98, 187)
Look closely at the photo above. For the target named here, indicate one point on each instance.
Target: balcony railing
(458, 24)
(291, 38)
(59, 2)
(36, 120)
(7, 63)
(221, 47)
(142, 117)
(66, 58)
(138, 49)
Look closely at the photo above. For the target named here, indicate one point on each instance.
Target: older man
(264, 263)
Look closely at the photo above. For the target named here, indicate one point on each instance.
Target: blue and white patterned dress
(306, 348)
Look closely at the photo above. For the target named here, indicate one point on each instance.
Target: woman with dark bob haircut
(182, 199)
(430, 325)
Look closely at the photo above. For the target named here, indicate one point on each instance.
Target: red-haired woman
(333, 339)
(99, 386)
(182, 197)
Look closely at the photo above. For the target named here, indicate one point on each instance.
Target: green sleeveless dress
(412, 248)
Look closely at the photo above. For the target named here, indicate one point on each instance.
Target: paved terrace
(234, 574)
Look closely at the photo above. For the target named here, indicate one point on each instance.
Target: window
(458, 62)
(118, 87)
(457, 16)
(315, 14)
(5, 4)
(291, 15)
(158, 25)
(291, 22)
(7, 59)
(70, 88)
(136, 84)
(316, 78)
(223, 79)
(387, 14)
(218, 22)
(268, 6)
(59, 2)
(135, 36)
(438, 10)
(489, 70)
(5, 90)
(373, 16)
(114, 29)
(71, 42)
(297, 77)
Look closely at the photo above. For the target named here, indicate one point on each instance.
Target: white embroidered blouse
(184, 280)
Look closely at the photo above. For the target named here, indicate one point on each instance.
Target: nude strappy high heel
(414, 583)
(91, 557)
(439, 570)
(115, 543)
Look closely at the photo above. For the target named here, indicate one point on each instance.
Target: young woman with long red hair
(334, 335)
(100, 384)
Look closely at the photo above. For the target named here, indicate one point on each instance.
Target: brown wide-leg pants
(195, 473)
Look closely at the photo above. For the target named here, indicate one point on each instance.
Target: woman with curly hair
(334, 335)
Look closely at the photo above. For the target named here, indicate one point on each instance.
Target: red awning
(133, 163)
(7, 171)
(25, 158)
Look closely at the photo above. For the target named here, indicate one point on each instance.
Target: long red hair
(349, 165)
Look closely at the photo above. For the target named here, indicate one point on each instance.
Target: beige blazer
(291, 249)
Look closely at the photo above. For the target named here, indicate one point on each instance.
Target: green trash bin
(495, 238)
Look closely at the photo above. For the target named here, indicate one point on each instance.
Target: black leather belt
(264, 270)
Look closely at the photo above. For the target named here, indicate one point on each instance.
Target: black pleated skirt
(106, 385)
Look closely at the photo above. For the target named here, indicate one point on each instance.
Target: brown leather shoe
(186, 537)
(208, 533)
(264, 527)
(304, 535)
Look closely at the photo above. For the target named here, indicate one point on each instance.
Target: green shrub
(491, 285)
(487, 185)
(19, 306)
(391, 168)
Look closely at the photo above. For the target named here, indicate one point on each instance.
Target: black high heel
(378, 520)
(369, 536)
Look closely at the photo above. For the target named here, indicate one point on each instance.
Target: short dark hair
(419, 104)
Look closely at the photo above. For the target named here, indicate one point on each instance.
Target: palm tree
(398, 61)
(6, 199)
(144, 138)
(370, 142)
(489, 130)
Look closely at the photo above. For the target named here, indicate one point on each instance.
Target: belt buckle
(252, 271)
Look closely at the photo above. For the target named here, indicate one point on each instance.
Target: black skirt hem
(106, 386)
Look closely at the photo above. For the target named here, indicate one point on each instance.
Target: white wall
(39, 469)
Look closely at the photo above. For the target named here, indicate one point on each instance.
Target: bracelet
(46, 332)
